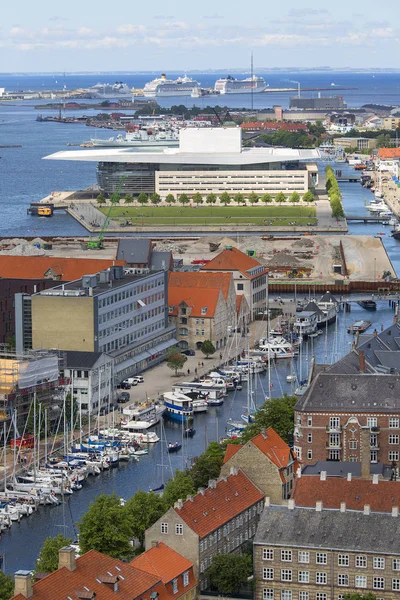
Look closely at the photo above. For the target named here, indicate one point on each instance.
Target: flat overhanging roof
(172, 156)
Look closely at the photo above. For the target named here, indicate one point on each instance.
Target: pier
(352, 179)
(368, 218)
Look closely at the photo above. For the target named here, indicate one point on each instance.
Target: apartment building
(217, 520)
(91, 379)
(391, 123)
(318, 554)
(267, 461)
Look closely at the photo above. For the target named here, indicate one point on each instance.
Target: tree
(170, 199)
(179, 486)
(142, 198)
(253, 198)
(47, 561)
(128, 199)
(239, 198)
(308, 197)
(280, 197)
(100, 199)
(155, 198)
(143, 510)
(207, 348)
(294, 197)
(266, 198)
(175, 360)
(197, 198)
(277, 413)
(383, 140)
(106, 528)
(184, 199)
(6, 586)
(208, 465)
(225, 198)
(228, 573)
(211, 199)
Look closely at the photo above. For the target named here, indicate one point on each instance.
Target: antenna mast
(252, 82)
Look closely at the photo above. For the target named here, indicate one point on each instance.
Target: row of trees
(333, 191)
(225, 198)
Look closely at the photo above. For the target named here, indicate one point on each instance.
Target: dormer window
(204, 310)
(171, 308)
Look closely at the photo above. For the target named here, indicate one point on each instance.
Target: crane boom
(98, 243)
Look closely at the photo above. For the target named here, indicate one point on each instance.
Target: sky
(135, 35)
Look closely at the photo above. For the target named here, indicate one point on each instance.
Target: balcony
(334, 429)
(334, 445)
(375, 429)
(374, 446)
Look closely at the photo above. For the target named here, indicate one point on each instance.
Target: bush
(308, 197)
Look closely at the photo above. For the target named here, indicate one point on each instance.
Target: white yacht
(161, 86)
(230, 85)
(199, 406)
(274, 348)
(142, 417)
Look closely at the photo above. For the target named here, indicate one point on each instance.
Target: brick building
(217, 520)
(318, 554)
(267, 461)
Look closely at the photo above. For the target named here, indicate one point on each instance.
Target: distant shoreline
(322, 70)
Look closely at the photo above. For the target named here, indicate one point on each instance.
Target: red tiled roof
(232, 260)
(195, 299)
(381, 497)
(35, 267)
(239, 298)
(231, 450)
(219, 505)
(201, 279)
(162, 561)
(270, 444)
(274, 126)
(63, 583)
(388, 153)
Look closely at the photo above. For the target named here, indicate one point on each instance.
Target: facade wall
(340, 579)
(65, 323)
(391, 123)
(340, 436)
(93, 386)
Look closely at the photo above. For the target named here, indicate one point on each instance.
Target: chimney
(361, 356)
(291, 504)
(264, 433)
(375, 333)
(375, 478)
(395, 511)
(189, 497)
(66, 558)
(267, 501)
(178, 504)
(233, 471)
(154, 544)
(318, 506)
(343, 507)
(298, 472)
(201, 491)
(367, 509)
(23, 584)
(322, 476)
(365, 453)
(395, 319)
(212, 483)
(348, 476)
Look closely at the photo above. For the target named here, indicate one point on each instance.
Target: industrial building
(320, 103)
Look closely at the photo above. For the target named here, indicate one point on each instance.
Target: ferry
(360, 326)
(230, 85)
(197, 390)
(178, 406)
(163, 87)
(367, 304)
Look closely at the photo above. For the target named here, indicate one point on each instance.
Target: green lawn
(171, 216)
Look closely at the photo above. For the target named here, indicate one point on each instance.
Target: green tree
(106, 528)
(277, 413)
(211, 199)
(266, 198)
(179, 486)
(155, 198)
(228, 573)
(280, 197)
(197, 198)
(6, 586)
(128, 199)
(175, 360)
(208, 465)
(170, 199)
(207, 348)
(100, 199)
(142, 198)
(294, 197)
(308, 197)
(239, 198)
(183, 199)
(383, 140)
(143, 510)
(225, 198)
(253, 198)
(47, 561)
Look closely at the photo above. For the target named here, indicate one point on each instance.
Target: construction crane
(97, 244)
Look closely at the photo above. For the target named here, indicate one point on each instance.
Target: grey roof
(160, 260)
(81, 360)
(134, 250)
(327, 297)
(329, 529)
(349, 364)
(313, 307)
(352, 392)
(341, 469)
(389, 361)
(305, 313)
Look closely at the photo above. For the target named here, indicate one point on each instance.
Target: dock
(368, 218)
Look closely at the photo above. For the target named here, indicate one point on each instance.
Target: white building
(91, 379)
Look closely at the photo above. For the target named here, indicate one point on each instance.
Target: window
(378, 562)
(374, 456)
(303, 557)
(286, 575)
(372, 422)
(334, 422)
(396, 585)
(360, 581)
(394, 422)
(240, 286)
(186, 578)
(204, 310)
(309, 438)
(393, 456)
(268, 554)
(321, 558)
(378, 583)
(343, 560)
(286, 594)
(393, 438)
(303, 577)
(309, 421)
(361, 562)
(353, 444)
(164, 527)
(321, 596)
(175, 586)
(396, 564)
(309, 454)
(343, 579)
(303, 596)
(179, 529)
(268, 574)
(268, 594)
(286, 555)
(321, 578)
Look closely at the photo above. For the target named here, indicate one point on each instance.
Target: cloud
(307, 12)
(57, 18)
(214, 16)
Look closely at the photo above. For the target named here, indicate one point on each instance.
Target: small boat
(174, 447)
(157, 489)
(367, 304)
(140, 452)
(290, 378)
(360, 325)
(381, 233)
(189, 433)
(214, 401)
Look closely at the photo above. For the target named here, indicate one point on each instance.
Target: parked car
(123, 397)
(139, 379)
(188, 352)
(124, 385)
(132, 380)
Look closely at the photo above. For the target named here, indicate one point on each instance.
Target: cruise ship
(108, 91)
(230, 85)
(160, 87)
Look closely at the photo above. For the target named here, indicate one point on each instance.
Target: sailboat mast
(5, 456)
(34, 437)
(252, 83)
(45, 436)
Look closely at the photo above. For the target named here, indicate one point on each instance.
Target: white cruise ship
(106, 90)
(230, 85)
(160, 87)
